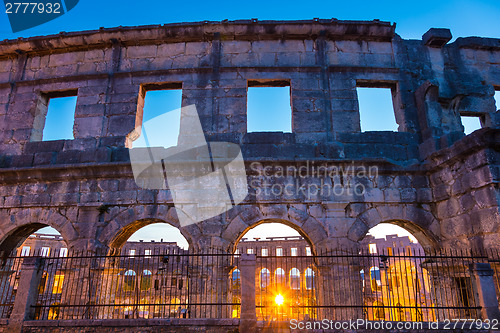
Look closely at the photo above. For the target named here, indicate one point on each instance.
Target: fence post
(248, 317)
(485, 290)
(27, 293)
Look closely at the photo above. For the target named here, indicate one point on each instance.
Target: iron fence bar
(205, 290)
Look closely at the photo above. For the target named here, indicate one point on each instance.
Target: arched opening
(375, 279)
(150, 261)
(129, 280)
(309, 279)
(151, 233)
(146, 280)
(394, 256)
(34, 239)
(274, 230)
(265, 278)
(235, 292)
(294, 279)
(285, 269)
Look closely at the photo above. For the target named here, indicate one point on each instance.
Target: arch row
(225, 234)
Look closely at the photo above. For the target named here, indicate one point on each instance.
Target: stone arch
(16, 235)
(116, 235)
(293, 216)
(419, 222)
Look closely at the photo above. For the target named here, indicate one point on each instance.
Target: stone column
(27, 293)
(484, 287)
(248, 317)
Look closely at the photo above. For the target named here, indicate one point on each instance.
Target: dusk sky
(464, 18)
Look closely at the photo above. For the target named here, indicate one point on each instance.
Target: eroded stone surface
(431, 179)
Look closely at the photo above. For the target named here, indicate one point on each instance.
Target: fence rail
(157, 285)
(340, 285)
(9, 279)
(396, 286)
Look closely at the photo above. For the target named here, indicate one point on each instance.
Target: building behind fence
(391, 279)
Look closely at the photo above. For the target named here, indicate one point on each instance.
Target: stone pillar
(108, 283)
(27, 293)
(248, 317)
(340, 284)
(78, 288)
(484, 287)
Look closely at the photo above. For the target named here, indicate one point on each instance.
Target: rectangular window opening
(294, 251)
(376, 109)
(60, 116)
(161, 115)
(58, 284)
(25, 251)
(471, 123)
(45, 251)
(265, 252)
(63, 252)
(279, 251)
(269, 106)
(497, 98)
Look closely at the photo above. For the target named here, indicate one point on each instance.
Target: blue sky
(464, 18)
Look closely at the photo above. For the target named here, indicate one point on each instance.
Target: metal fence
(10, 269)
(340, 285)
(157, 285)
(397, 286)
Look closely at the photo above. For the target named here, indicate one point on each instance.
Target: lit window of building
(131, 253)
(58, 283)
(63, 252)
(265, 252)
(294, 251)
(279, 251)
(147, 253)
(45, 251)
(249, 251)
(372, 248)
(308, 251)
(25, 251)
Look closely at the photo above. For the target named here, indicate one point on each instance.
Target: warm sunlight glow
(279, 299)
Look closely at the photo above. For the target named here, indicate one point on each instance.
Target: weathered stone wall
(134, 325)
(85, 188)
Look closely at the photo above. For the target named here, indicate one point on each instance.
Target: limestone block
(236, 46)
(198, 48)
(448, 208)
(171, 49)
(63, 59)
(88, 127)
(234, 229)
(120, 125)
(142, 51)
